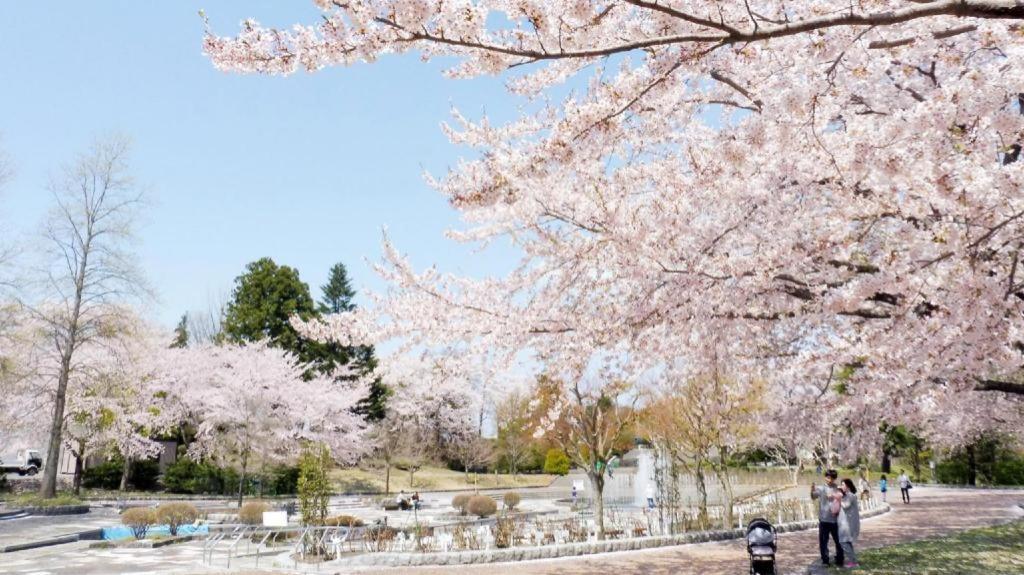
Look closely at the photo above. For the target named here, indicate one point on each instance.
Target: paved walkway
(933, 512)
(41, 527)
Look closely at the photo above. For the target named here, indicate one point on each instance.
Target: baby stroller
(761, 547)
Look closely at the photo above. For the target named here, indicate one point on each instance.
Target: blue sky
(306, 169)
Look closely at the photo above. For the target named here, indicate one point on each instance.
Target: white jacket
(849, 519)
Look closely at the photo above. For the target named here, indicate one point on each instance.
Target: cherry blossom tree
(429, 410)
(830, 186)
(253, 401)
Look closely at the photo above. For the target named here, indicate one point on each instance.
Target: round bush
(176, 514)
(139, 520)
(459, 503)
(511, 500)
(556, 462)
(343, 521)
(252, 513)
(482, 506)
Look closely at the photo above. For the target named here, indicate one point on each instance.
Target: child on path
(849, 522)
(883, 486)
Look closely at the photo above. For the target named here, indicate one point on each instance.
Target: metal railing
(258, 540)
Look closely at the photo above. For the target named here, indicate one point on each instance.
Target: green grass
(995, 550)
(33, 500)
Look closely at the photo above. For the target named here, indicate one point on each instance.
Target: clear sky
(306, 169)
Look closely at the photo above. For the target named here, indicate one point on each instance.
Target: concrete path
(42, 527)
(933, 512)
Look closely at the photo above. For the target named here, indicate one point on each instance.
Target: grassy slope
(428, 479)
(990, 551)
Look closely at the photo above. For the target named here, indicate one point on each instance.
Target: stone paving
(77, 559)
(37, 528)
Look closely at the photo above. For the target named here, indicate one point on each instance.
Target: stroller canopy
(760, 532)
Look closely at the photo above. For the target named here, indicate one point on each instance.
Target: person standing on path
(905, 486)
(864, 485)
(827, 516)
(883, 486)
(849, 522)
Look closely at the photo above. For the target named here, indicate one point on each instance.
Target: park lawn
(34, 500)
(995, 550)
(371, 480)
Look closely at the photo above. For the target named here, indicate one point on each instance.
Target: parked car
(29, 462)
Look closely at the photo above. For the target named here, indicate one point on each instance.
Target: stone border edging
(13, 514)
(58, 510)
(564, 550)
(90, 534)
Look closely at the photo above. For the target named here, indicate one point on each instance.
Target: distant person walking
(883, 486)
(863, 485)
(849, 522)
(829, 506)
(574, 495)
(905, 486)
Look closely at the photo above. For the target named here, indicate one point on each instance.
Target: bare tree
(700, 435)
(387, 437)
(204, 326)
(472, 451)
(593, 423)
(90, 266)
(6, 252)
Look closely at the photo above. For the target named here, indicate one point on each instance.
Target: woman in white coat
(849, 521)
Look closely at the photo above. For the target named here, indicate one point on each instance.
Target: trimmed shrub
(252, 513)
(459, 503)
(285, 481)
(1009, 471)
(144, 475)
(482, 506)
(106, 475)
(511, 500)
(556, 462)
(176, 514)
(188, 476)
(343, 521)
(139, 520)
(951, 472)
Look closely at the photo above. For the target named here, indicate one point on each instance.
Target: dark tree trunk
(48, 489)
(886, 461)
(241, 478)
(78, 474)
(972, 466)
(126, 474)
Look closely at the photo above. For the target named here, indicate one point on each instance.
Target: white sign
(275, 519)
(579, 485)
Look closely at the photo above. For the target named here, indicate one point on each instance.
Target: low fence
(572, 542)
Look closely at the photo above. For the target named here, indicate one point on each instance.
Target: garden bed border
(530, 553)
